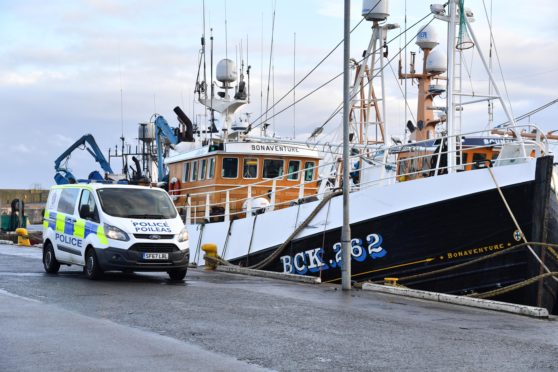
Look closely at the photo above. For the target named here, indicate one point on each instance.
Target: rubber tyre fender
(177, 274)
(50, 263)
(92, 268)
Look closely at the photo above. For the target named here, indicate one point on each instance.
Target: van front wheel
(177, 274)
(92, 269)
(50, 262)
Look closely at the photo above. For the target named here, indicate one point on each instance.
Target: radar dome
(226, 71)
(427, 38)
(436, 62)
(375, 10)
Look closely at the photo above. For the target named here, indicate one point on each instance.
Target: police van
(105, 227)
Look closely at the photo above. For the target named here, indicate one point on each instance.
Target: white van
(106, 227)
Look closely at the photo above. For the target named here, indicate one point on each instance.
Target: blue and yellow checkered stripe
(59, 222)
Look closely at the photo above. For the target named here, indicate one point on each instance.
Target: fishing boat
(468, 213)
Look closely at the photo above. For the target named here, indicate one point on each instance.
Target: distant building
(34, 200)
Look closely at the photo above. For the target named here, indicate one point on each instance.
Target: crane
(163, 129)
(64, 176)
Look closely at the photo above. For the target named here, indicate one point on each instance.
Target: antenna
(294, 85)
(212, 119)
(226, 35)
(121, 111)
(261, 68)
(270, 59)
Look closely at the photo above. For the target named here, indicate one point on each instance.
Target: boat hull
(424, 237)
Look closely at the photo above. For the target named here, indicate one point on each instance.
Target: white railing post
(189, 211)
(227, 206)
(272, 196)
(207, 207)
(301, 186)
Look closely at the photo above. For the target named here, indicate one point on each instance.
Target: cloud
(21, 148)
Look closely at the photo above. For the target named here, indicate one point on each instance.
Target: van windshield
(136, 203)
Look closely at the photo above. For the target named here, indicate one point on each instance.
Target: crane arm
(93, 149)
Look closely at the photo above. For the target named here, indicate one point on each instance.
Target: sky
(68, 68)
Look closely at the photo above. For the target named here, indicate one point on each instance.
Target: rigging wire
(530, 113)
(270, 60)
(310, 72)
(405, 97)
(493, 42)
(294, 85)
(339, 108)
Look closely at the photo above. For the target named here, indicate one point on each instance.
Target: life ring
(174, 188)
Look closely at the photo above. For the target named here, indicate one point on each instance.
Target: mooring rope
(283, 246)
(517, 225)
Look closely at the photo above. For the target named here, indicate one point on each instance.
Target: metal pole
(346, 230)
(450, 86)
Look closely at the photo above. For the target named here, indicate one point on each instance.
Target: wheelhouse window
(195, 170)
(186, 172)
(211, 169)
(309, 171)
(250, 168)
(230, 168)
(272, 168)
(479, 160)
(293, 171)
(203, 169)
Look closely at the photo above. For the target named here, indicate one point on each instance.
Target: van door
(88, 221)
(67, 247)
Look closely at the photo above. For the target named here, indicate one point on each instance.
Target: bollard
(210, 250)
(22, 237)
(391, 281)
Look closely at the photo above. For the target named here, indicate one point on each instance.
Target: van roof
(95, 186)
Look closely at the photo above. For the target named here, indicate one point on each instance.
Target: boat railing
(217, 205)
(193, 211)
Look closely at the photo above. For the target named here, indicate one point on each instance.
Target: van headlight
(183, 235)
(114, 233)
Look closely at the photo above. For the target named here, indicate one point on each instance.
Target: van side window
(68, 199)
(87, 208)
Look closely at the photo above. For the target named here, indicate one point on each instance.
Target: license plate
(155, 256)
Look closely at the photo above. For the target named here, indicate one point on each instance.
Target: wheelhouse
(229, 179)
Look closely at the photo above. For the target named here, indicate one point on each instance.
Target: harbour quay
(220, 321)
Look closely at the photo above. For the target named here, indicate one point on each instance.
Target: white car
(106, 227)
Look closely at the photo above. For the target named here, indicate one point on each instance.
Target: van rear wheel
(50, 262)
(92, 268)
(177, 274)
